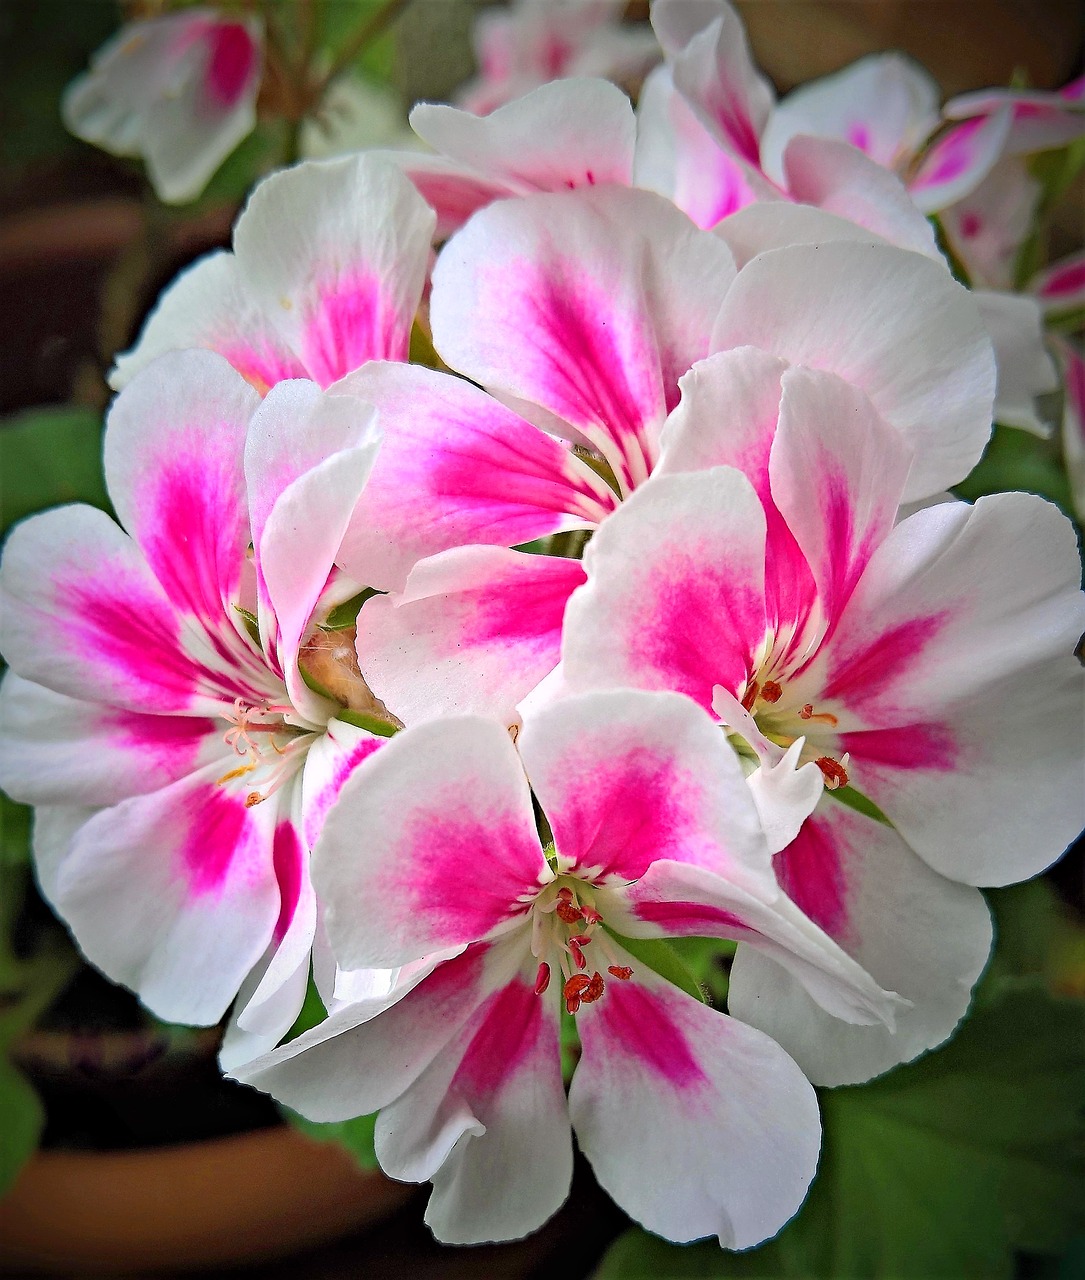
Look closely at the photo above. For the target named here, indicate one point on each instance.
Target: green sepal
(346, 614)
(370, 723)
(860, 803)
(22, 1118)
(252, 624)
(662, 958)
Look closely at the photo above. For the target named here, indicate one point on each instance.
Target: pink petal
(449, 850)
(1061, 286)
(913, 931)
(475, 631)
(590, 305)
(626, 778)
(1025, 370)
(959, 160)
(457, 467)
(658, 1071)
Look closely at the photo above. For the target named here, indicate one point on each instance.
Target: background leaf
(48, 456)
(21, 1121)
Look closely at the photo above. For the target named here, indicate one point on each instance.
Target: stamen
(542, 981)
(826, 717)
(577, 954)
(835, 773)
(253, 798)
(593, 990)
(235, 773)
(750, 696)
(591, 916)
(566, 908)
(574, 989)
(620, 971)
(771, 691)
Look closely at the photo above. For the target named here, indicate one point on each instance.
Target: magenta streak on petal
(915, 746)
(217, 832)
(862, 674)
(511, 1026)
(640, 806)
(859, 136)
(693, 920)
(230, 64)
(702, 628)
(287, 856)
(639, 1026)
(110, 620)
(810, 871)
(952, 154)
(168, 746)
(318, 807)
(971, 224)
(260, 365)
(1074, 91)
(573, 332)
(353, 321)
(463, 869)
(516, 612)
(733, 121)
(1070, 279)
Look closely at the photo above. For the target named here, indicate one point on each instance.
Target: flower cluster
(639, 611)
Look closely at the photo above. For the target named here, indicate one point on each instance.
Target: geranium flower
(159, 712)
(531, 42)
(178, 90)
(327, 271)
(652, 829)
(763, 573)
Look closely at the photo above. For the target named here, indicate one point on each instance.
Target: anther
(591, 916)
(835, 773)
(567, 911)
(542, 980)
(771, 691)
(577, 954)
(620, 971)
(254, 797)
(808, 713)
(576, 985)
(750, 696)
(593, 990)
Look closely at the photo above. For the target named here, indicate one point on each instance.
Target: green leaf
(47, 456)
(14, 834)
(356, 1135)
(664, 959)
(942, 1168)
(1019, 460)
(21, 1120)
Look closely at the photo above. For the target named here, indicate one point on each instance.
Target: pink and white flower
(654, 835)
(531, 42)
(327, 272)
(179, 90)
(158, 711)
(763, 572)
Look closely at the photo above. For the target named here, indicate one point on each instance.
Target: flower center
(268, 745)
(783, 724)
(565, 925)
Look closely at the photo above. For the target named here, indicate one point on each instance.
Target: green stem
(369, 30)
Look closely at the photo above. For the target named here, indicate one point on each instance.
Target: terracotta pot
(217, 1203)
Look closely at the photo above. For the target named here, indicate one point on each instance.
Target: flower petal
(913, 931)
(657, 1073)
(1025, 370)
(958, 161)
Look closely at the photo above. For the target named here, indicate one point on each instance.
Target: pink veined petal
(489, 1100)
(457, 467)
(728, 416)
(892, 323)
(83, 615)
(450, 853)
(836, 177)
(174, 893)
(958, 161)
(590, 305)
(884, 105)
(1061, 286)
(837, 473)
(626, 778)
(677, 156)
(1041, 120)
(452, 190)
(209, 305)
(173, 462)
(329, 762)
(539, 142)
(59, 750)
(709, 56)
(1073, 420)
(336, 253)
(658, 1071)
(474, 631)
(356, 1062)
(912, 930)
(759, 228)
(675, 596)
(676, 899)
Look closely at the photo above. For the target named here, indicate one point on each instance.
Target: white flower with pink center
(922, 663)
(327, 271)
(648, 832)
(157, 713)
(178, 90)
